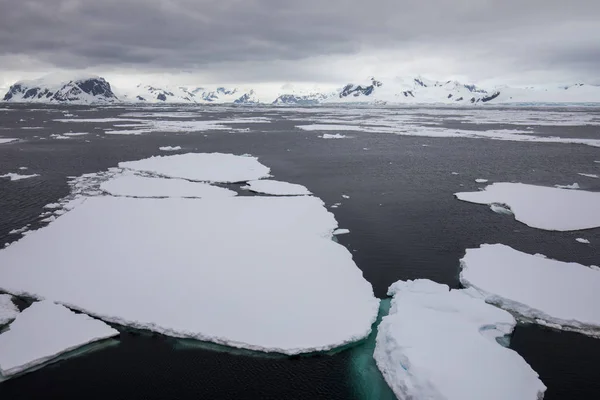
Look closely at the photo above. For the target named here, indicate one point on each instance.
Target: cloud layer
(311, 40)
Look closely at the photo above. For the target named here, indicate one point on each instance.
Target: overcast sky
(515, 42)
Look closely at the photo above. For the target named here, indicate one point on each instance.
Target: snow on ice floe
(537, 289)
(218, 263)
(542, 207)
(589, 175)
(169, 148)
(140, 186)
(582, 240)
(44, 331)
(8, 310)
(277, 188)
(434, 335)
(208, 167)
(573, 186)
(7, 140)
(17, 177)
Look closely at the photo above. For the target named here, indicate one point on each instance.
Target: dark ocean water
(404, 220)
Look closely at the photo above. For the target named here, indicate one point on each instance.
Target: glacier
(441, 344)
(541, 207)
(42, 332)
(535, 288)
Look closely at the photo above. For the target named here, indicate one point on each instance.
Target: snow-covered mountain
(418, 90)
(82, 91)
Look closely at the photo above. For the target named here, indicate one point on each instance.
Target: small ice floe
(455, 173)
(170, 148)
(480, 180)
(341, 232)
(19, 231)
(336, 205)
(589, 175)
(8, 310)
(140, 186)
(582, 240)
(573, 186)
(333, 136)
(44, 331)
(59, 137)
(22, 168)
(542, 207)
(433, 334)
(208, 167)
(75, 134)
(52, 206)
(7, 140)
(534, 287)
(18, 177)
(277, 188)
(345, 196)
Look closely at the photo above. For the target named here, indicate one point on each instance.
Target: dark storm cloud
(183, 34)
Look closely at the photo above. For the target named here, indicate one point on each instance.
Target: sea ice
(170, 148)
(208, 167)
(589, 175)
(573, 186)
(277, 188)
(8, 310)
(260, 273)
(44, 331)
(441, 344)
(17, 177)
(582, 240)
(479, 180)
(542, 207)
(140, 186)
(7, 140)
(535, 287)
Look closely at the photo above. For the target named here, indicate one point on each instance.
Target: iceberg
(44, 331)
(140, 186)
(207, 167)
(8, 310)
(277, 188)
(542, 207)
(535, 288)
(280, 282)
(438, 343)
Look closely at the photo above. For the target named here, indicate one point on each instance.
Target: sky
(322, 42)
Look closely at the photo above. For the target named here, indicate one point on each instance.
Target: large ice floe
(277, 188)
(542, 207)
(44, 331)
(537, 289)
(8, 310)
(207, 167)
(251, 272)
(141, 186)
(438, 343)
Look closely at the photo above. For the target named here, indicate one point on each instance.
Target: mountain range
(418, 90)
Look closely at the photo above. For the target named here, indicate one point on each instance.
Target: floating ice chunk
(170, 148)
(139, 186)
(60, 137)
(19, 231)
(42, 332)
(573, 186)
(22, 168)
(277, 188)
(582, 240)
(8, 310)
(589, 175)
(209, 167)
(52, 206)
(7, 140)
(254, 257)
(455, 173)
(336, 205)
(501, 209)
(480, 180)
(75, 134)
(542, 207)
(434, 335)
(345, 196)
(17, 177)
(561, 293)
(341, 232)
(333, 136)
